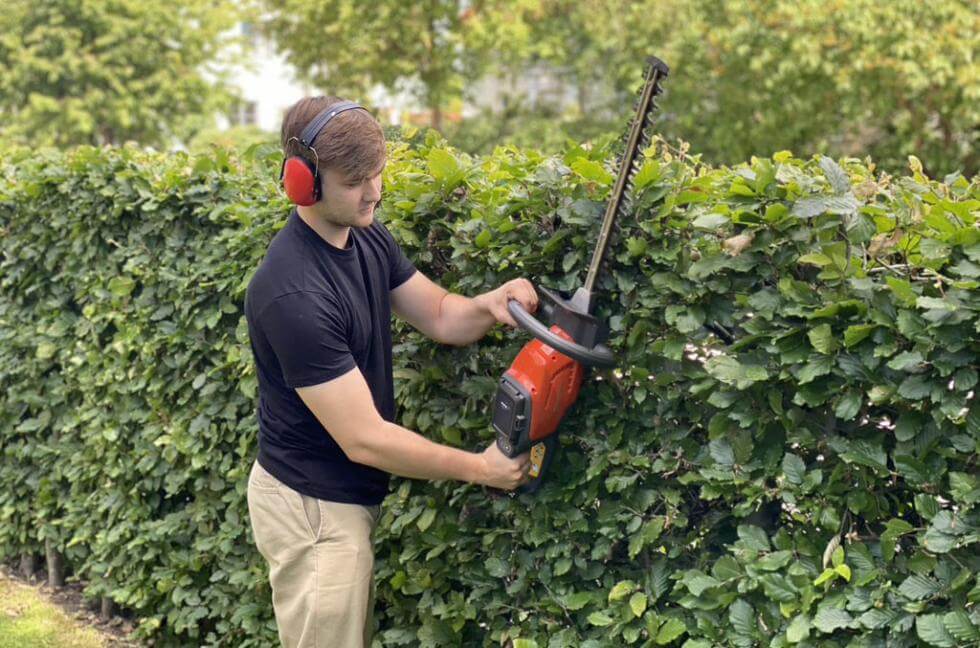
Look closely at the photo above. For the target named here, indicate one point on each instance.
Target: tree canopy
(108, 71)
(750, 77)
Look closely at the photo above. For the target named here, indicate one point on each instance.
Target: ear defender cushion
(299, 181)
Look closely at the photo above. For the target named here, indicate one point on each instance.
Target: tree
(851, 77)
(107, 71)
(347, 47)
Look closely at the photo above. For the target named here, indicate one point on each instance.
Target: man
(318, 311)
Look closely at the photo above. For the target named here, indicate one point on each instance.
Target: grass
(27, 620)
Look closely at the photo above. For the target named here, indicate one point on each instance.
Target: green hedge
(787, 453)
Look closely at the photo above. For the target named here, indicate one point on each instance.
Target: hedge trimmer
(544, 380)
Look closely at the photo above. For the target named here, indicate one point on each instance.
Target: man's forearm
(402, 452)
(464, 319)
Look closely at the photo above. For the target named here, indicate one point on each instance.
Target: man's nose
(372, 192)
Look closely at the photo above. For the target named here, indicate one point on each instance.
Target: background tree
(851, 77)
(346, 47)
(108, 71)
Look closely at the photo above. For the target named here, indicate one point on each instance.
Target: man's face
(349, 202)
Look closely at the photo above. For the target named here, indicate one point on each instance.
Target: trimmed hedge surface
(786, 453)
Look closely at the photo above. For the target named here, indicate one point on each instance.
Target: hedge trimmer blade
(638, 138)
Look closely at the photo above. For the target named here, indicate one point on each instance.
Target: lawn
(26, 619)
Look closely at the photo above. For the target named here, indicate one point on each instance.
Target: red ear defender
(300, 181)
(298, 175)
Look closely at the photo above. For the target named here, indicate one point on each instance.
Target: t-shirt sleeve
(308, 333)
(401, 267)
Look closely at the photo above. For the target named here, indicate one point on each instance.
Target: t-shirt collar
(310, 234)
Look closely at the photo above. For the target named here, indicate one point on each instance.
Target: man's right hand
(501, 471)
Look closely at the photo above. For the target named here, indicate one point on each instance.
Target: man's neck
(335, 235)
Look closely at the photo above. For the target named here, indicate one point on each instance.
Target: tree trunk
(108, 608)
(437, 117)
(28, 566)
(56, 571)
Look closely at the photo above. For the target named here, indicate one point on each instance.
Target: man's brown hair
(352, 142)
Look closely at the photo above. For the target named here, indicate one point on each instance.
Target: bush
(786, 453)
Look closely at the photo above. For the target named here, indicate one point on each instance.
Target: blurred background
(882, 78)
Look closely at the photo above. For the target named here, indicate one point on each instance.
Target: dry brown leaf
(737, 244)
(884, 242)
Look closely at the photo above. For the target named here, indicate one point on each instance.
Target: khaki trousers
(321, 563)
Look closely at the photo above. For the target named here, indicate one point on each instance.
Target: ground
(33, 614)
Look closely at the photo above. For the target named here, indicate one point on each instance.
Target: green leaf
(931, 630)
(697, 582)
(837, 558)
(959, 625)
(836, 176)
(917, 587)
(938, 542)
(669, 631)
(577, 601)
(775, 560)
(810, 207)
(742, 617)
(648, 173)
(425, 520)
(816, 367)
(562, 566)
(822, 339)
(591, 170)
(905, 361)
(121, 286)
(934, 303)
(902, 290)
(816, 258)
(799, 629)
(829, 619)
(897, 527)
(442, 165)
(915, 388)
(636, 247)
(497, 567)
(856, 333)
(753, 537)
(600, 619)
(827, 575)
(848, 405)
(45, 351)
(779, 588)
(874, 618)
(794, 468)
(711, 221)
(621, 590)
(638, 604)
(483, 239)
(722, 453)
(729, 371)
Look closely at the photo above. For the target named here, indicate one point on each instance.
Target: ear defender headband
(300, 177)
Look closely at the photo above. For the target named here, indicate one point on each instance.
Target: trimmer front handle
(579, 325)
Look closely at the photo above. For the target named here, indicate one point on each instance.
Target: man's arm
(344, 407)
(449, 318)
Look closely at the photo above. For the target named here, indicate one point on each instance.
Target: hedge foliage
(786, 453)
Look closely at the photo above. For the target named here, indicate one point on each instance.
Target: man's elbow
(364, 448)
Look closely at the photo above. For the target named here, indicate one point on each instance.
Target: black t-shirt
(314, 312)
